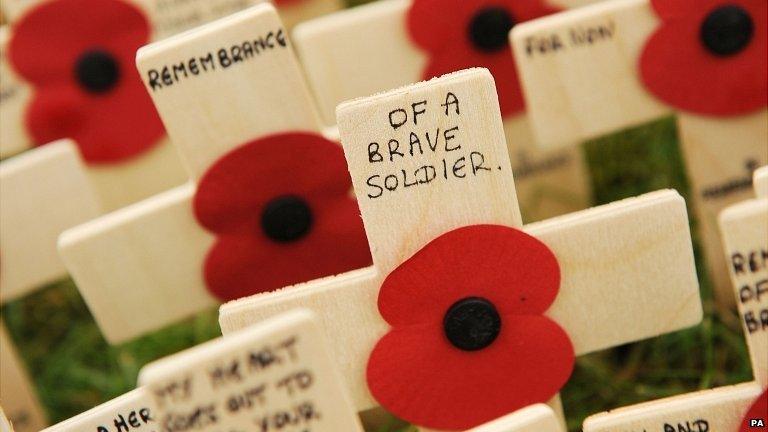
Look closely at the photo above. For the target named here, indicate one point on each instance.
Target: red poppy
(79, 57)
(283, 214)
(709, 56)
(759, 410)
(469, 341)
(459, 34)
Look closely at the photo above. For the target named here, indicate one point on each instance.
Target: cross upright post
(380, 46)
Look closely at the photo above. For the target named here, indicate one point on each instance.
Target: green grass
(74, 369)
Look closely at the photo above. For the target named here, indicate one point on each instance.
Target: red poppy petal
(529, 9)
(239, 266)
(676, 8)
(55, 114)
(417, 375)
(50, 38)
(501, 66)
(504, 71)
(677, 68)
(511, 269)
(759, 410)
(440, 27)
(108, 128)
(435, 25)
(233, 192)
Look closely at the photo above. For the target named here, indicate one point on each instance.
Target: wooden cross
(132, 411)
(721, 409)
(275, 375)
(627, 268)
(125, 180)
(581, 76)
(368, 49)
(745, 235)
(17, 396)
(267, 377)
(536, 418)
(48, 189)
(145, 256)
(44, 191)
(744, 227)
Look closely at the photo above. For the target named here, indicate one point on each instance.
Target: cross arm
(44, 191)
(720, 409)
(535, 418)
(134, 261)
(635, 256)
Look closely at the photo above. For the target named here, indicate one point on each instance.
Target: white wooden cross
(580, 72)
(535, 418)
(17, 396)
(368, 49)
(47, 189)
(133, 265)
(745, 235)
(42, 192)
(133, 411)
(277, 371)
(721, 409)
(627, 268)
(128, 180)
(744, 228)
(274, 376)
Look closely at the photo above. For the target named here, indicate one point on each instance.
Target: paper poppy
(282, 212)
(459, 34)
(709, 56)
(469, 341)
(759, 410)
(78, 55)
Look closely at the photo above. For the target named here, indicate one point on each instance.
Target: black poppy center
(727, 30)
(472, 324)
(489, 29)
(286, 219)
(97, 71)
